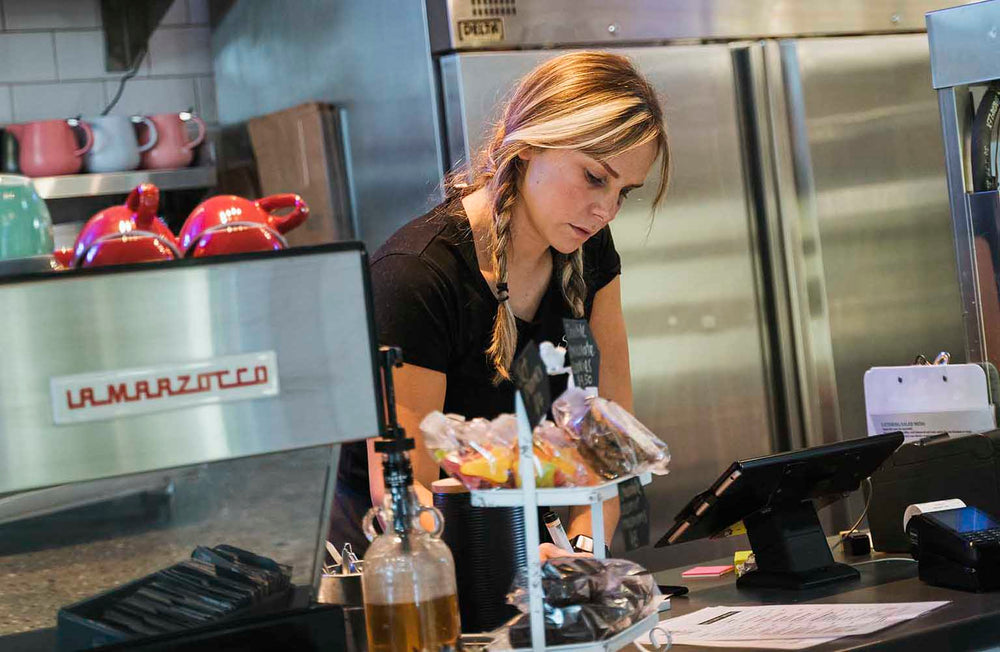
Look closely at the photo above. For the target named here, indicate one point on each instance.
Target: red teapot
(129, 233)
(227, 224)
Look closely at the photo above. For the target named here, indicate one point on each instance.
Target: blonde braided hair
(590, 101)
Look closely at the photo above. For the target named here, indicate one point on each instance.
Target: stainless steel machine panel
(478, 24)
(308, 307)
(688, 277)
(964, 44)
(874, 234)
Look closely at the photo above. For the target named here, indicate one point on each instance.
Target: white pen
(556, 531)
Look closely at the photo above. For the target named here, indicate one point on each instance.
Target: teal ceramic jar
(25, 224)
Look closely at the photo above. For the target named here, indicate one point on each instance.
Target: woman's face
(569, 196)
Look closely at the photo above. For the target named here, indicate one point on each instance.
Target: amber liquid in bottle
(407, 626)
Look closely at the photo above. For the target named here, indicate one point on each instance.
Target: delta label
(481, 29)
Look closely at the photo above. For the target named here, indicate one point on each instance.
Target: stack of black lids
(488, 546)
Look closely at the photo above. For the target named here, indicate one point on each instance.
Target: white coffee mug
(116, 147)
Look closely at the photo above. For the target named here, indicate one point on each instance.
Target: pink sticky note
(707, 571)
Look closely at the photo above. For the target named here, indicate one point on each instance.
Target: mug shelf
(120, 183)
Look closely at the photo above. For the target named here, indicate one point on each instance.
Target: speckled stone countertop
(270, 505)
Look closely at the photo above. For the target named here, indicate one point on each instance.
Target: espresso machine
(146, 410)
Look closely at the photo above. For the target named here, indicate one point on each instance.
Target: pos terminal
(774, 497)
(957, 548)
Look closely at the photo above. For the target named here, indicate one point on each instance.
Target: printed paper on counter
(783, 622)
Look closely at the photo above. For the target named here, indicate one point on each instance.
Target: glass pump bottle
(410, 595)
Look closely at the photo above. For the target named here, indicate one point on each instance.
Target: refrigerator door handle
(796, 228)
(768, 246)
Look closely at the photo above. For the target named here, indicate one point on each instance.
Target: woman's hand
(547, 551)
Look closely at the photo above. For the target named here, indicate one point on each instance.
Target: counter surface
(970, 622)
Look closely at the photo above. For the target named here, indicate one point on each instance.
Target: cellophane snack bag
(584, 599)
(483, 454)
(592, 440)
(611, 438)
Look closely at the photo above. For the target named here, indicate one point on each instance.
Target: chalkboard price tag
(584, 356)
(530, 377)
(634, 521)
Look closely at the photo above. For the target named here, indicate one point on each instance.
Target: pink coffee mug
(173, 149)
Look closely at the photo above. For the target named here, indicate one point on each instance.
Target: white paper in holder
(933, 506)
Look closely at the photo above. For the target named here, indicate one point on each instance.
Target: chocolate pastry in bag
(611, 438)
(577, 623)
(624, 592)
(651, 453)
(606, 449)
(585, 599)
(565, 580)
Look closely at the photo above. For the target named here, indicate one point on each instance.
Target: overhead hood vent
(128, 24)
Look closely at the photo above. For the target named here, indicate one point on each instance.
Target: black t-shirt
(432, 301)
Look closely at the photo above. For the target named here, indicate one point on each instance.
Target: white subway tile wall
(52, 62)
(150, 96)
(206, 99)
(51, 101)
(51, 14)
(80, 55)
(27, 57)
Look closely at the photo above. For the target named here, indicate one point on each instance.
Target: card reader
(957, 548)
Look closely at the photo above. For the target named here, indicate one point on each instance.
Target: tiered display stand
(529, 498)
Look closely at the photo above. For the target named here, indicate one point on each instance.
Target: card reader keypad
(984, 537)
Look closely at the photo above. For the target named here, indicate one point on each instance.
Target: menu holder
(634, 514)
(584, 356)
(532, 380)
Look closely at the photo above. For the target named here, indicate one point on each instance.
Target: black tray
(77, 628)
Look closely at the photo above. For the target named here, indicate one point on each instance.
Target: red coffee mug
(48, 147)
(172, 149)
(227, 224)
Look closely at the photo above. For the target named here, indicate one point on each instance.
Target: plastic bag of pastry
(570, 408)
(563, 626)
(483, 454)
(625, 591)
(558, 462)
(590, 417)
(585, 600)
(565, 581)
(606, 449)
(475, 452)
(651, 452)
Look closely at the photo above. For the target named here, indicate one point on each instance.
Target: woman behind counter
(520, 242)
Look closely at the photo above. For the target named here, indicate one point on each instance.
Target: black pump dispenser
(393, 445)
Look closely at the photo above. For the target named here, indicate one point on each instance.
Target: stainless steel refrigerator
(805, 236)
